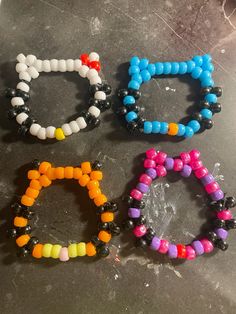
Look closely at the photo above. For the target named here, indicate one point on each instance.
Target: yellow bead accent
(81, 249)
(59, 134)
(47, 248)
(55, 252)
(72, 250)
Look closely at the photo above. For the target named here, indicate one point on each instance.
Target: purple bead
(151, 172)
(207, 179)
(222, 233)
(155, 244)
(134, 212)
(186, 172)
(198, 247)
(169, 163)
(144, 188)
(217, 195)
(172, 252)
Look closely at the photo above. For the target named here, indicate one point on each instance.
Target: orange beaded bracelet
(88, 175)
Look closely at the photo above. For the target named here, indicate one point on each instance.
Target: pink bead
(212, 187)
(196, 164)
(136, 194)
(201, 172)
(140, 231)
(151, 153)
(149, 163)
(185, 157)
(194, 154)
(224, 214)
(160, 158)
(63, 256)
(164, 246)
(161, 171)
(144, 178)
(178, 164)
(207, 245)
(190, 253)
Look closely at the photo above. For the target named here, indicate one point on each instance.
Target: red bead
(181, 251)
(95, 65)
(84, 58)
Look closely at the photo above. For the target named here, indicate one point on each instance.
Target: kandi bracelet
(141, 71)
(156, 165)
(87, 175)
(29, 67)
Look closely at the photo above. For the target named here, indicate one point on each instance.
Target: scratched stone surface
(129, 280)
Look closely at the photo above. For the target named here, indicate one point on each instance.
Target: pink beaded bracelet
(156, 165)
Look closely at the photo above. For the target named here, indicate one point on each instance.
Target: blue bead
(208, 67)
(137, 77)
(174, 68)
(188, 132)
(128, 100)
(133, 69)
(164, 128)
(208, 82)
(143, 64)
(146, 76)
(205, 75)
(197, 71)
(195, 125)
(134, 60)
(190, 66)
(133, 84)
(206, 58)
(198, 60)
(181, 129)
(156, 126)
(167, 68)
(206, 113)
(151, 69)
(159, 68)
(147, 127)
(211, 98)
(130, 116)
(183, 67)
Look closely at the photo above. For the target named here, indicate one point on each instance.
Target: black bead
(101, 209)
(134, 108)
(103, 251)
(132, 126)
(217, 205)
(129, 199)
(122, 93)
(140, 221)
(96, 241)
(22, 252)
(140, 242)
(104, 105)
(95, 122)
(103, 226)
(24, 230)
(216, 108)
(94, 102)
(111, 207)
(26, 82)
(208, 123)
(17, 208)
(128, 224)
(122, 111)
(139, 204)
(218, 223)
(12, 233)
(150, 234)
(23, 108)
(35, 164)
(230, 202)
(11, 113)
(135, 93)
(140, 122)
(106, 89)
(114, 229)
(28, 122)
(94, 88)
(96, 165)
(221, 244)
(230, 224)
(22, 130)
(24, 95)
(31, 243)
(205, 90)
(217, 91)
(204, 104)
(28, 213)
(86, 115)
(10, 92)
(212, 236)
(197, 116)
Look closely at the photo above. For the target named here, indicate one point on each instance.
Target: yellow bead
(59, 134)
(72, 250)
(55, 252)
(47, 248)
(81, 249)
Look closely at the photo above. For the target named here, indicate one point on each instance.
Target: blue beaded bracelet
(141, 71)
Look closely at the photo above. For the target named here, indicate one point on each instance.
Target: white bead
(21, 117)
(95, 80)
(30, 59)
(70, 65)
(93, 56)
(50, 131)
(23, 86)
(46, 67)
(62, 65)
(25, 76)
(20, 67)
(35, 127)
(92, 73)
(100, 95)
(66, 129)
(41, 134)
(74, 127)
(33, 72)
(83, 70)
(54, 65)
(17, 101)
(77, 64)
(94, 111)
(38, 65)
(81, 123)
(20, 58)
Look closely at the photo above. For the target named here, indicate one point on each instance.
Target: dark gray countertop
(129, 281)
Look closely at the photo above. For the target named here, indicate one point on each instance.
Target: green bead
(72, 250)
(81, 249)
(56, 251)
(47, 248)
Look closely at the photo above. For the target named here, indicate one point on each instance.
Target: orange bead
(20, 222)
(96, 175)
(100, 200)
(27, 201)
(84, 180)
(107, 217)
(44, 181)
(94, 193)
(44, 166)
(104, 236)
(33, 174)
(35, 184)
(93, 184)
(22, 240)
(51, 174)
(32, 193)
(69, 172)
(90, 249)
(86, 167)
(77, 173)
(37, 250)
(173, 128)
(60, 173)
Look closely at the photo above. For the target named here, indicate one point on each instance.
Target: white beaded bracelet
(29, 67)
